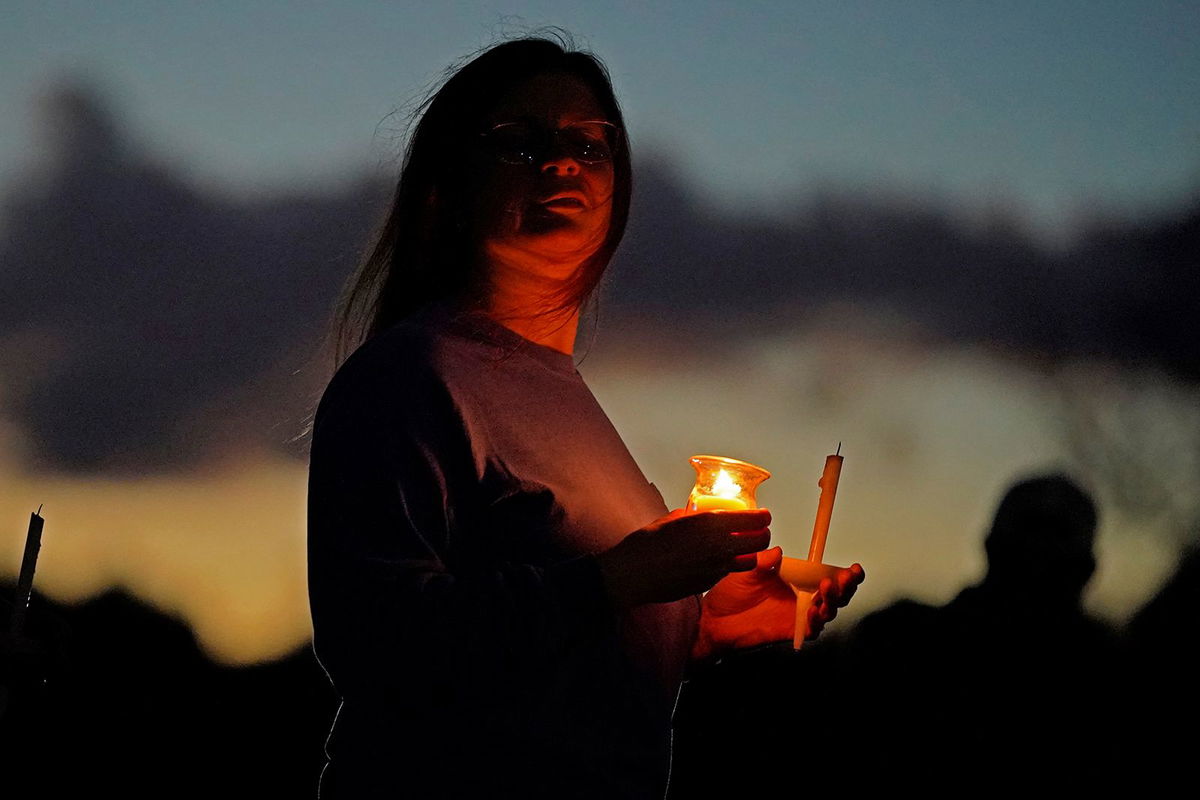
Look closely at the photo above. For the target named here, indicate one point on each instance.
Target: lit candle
(708, 503)
(725, 495)
(33, 544)
(724, 483)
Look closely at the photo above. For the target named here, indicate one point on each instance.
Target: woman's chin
(562, 238)
(540, 220)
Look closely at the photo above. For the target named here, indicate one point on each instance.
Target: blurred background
(959, 239)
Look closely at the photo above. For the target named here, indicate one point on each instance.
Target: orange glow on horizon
(223, 549)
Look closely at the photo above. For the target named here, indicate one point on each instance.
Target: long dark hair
(425, 251)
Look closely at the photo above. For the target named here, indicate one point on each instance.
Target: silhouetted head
(475, 169)
(1041, 540)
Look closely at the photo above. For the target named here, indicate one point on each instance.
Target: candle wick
(838, 452)
(39, 511)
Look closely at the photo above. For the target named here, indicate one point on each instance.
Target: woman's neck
(555, 330)
(535, 321)
(522, 302)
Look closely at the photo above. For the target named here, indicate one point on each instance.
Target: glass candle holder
(724, 483)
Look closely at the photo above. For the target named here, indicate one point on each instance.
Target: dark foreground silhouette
(1009, 683)
(130, 703)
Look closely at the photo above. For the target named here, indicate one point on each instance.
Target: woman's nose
(557, 161)
(560, 165)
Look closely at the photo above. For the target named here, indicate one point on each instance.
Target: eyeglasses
(588, 142)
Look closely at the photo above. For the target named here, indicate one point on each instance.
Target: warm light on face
(543, 216)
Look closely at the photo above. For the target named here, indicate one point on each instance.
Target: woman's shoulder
(432, 354)
(390, 367)
(408, 344)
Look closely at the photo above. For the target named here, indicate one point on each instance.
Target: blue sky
(1057, 106)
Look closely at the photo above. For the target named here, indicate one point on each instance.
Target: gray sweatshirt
(461, 479)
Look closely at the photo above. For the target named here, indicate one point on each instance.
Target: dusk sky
(1059, 108)
(157, 325)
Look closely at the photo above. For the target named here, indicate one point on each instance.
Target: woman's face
(551, 209)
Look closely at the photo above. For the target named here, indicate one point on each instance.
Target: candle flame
(725, 486)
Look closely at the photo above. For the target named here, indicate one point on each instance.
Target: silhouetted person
(1011, 679)
(1165, 674)
(499, 596)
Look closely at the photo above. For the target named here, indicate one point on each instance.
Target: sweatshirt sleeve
(392, 476)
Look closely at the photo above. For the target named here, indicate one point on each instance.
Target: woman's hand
(832, 595)
(757, 607)
(683, 554)
(747, 609)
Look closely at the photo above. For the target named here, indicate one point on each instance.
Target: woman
(497, 593)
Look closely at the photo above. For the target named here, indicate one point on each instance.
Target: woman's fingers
(850, 578)
(742, 542)
(847, 584)
(827, 601)
(725, 535)
(831, 595)
(770, 560)
(713, 522)
(825, 592)
(694, 551)
(815, 623)
(744, 563)
(744, 548)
